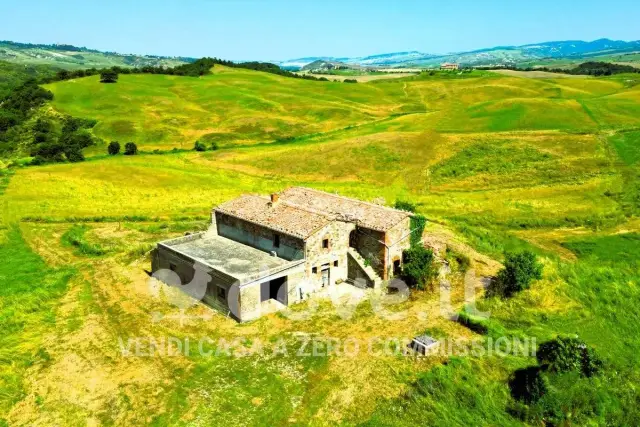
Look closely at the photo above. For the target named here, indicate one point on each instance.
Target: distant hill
(73, 57)
(500, 55)
(324, 65)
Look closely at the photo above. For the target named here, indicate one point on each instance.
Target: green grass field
(495, 162)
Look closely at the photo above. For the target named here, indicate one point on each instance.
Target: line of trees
(197, 68)
(592, 68)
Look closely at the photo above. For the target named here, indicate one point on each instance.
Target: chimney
(274, 198)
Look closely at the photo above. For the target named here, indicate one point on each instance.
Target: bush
(565, 354)
(214, 146)
(419, 268)
(199, 146)
(108, 76)
(350, 81)
(520, 269)
(528, 385)
(114, 148)
(75, 155)
(404, 205)
(37, 161)
(130, 149)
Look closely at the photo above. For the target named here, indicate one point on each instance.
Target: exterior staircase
(375, 281)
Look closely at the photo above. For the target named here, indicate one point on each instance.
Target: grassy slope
(506, 162)
(238, 106)
(72, 60)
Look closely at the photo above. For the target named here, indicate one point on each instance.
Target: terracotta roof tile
(281, 216)
(368, 215)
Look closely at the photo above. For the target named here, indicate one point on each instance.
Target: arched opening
(352, 239)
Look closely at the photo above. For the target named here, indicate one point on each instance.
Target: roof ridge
(338, 196)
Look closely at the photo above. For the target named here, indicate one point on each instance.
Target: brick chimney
(274, 198)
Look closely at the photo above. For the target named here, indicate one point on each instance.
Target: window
(335, 263)
(222, 293)
(172, 266)
(276, 241)
(314, 270)
(325, 244)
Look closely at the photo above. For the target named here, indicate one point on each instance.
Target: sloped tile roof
(369, 215)
(280, 216)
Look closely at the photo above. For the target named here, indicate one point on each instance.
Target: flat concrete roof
(235, 259)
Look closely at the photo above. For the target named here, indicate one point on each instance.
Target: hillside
(498, 163)
(234, 106)
(73, 57)
(531, 54)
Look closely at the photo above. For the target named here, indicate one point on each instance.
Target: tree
(75, 155)
(108, 76)
(114, 148)
(130, 149)
(199, 146)
(419, 268)
(528, 384)
(565, 354)
(520, 269)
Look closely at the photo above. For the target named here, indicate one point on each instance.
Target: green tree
(199, 146)
(130, 149)
(419, 268)
(520, 269)
(108, 76)
(114, 148)
(75, 155)
(565, 354)
(528, 385)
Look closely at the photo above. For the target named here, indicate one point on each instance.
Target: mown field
(495, 162)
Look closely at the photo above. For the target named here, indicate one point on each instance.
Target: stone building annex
(279, 250)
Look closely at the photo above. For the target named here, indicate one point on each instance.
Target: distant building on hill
(449, 66)
(264, 253)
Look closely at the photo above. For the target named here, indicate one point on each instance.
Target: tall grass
(29, 294)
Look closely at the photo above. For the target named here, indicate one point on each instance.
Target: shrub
(38, 160)
(214, 146)
(199, 146)
(350, 81)
(528, 385)
(75, 155)
(565, 354)
(419, 268)
(404, 205)
(108, 76)
(520, 269)
(130, 149)
(114, 148)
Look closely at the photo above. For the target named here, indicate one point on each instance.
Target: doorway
(275, 289)
(326, 275)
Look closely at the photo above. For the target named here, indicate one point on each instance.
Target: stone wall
(259, 237)
(317, 257)
(369, 243)
(357, 274)
(397, 239)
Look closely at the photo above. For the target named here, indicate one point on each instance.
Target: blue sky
(285, 29)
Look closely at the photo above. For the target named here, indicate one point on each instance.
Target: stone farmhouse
(265, 252)
(449, 66)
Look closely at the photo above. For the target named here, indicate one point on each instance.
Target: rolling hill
(498, 163)
(73, 57)
(508, 55)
